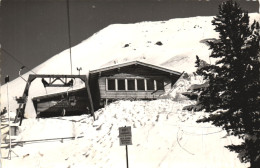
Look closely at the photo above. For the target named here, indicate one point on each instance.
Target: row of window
(134, 84)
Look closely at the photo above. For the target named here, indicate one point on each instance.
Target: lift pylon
(51, 81)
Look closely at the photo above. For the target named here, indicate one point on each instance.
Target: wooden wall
(100, 92)
(136, 94)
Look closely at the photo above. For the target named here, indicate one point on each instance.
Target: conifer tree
(233, 94)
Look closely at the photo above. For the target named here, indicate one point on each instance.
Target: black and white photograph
(130, 83)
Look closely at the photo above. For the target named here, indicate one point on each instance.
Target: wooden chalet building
(132, 80)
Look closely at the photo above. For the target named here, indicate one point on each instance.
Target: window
(134, 84)
(130, 84)
(150, 84)
(160, 84)
(121, 84)
(111, 84)
(140, 84)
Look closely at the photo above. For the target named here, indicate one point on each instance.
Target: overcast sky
(32, 31)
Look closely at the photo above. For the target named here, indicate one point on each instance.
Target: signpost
(125, 137)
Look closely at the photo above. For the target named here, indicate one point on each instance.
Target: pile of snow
(163, 135)
(182, 85)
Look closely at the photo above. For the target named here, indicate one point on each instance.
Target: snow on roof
(135, 63)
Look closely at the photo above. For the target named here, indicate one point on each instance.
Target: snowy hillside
(172, 44)
(163, 134)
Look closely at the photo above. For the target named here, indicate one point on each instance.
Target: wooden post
(125, 136)
(116, 87)
(155, 85)
(106, 85)
(126, 156)
(135, 84)
(126, 85)
(145, 84)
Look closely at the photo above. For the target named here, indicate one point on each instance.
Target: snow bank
(163, 136)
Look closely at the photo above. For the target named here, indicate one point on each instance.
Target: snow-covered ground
(163, 134)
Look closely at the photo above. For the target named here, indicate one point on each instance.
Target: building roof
(135, 63)
(58, 94)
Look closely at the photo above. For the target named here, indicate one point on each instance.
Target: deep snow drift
(163, 136)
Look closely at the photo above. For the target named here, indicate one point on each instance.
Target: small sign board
(127, 140)
(125, 136)
(125, 131)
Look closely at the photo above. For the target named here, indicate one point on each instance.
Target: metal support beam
(89, 97)
(63, 78)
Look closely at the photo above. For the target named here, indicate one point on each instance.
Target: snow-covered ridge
(172, 44)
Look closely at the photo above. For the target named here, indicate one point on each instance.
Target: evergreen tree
(233, 94)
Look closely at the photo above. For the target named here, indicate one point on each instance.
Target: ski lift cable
(17, 60)
(69, 35)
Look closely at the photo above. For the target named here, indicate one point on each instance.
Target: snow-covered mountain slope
(172, 44)
(163, 134)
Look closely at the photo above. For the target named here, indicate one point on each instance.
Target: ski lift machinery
(66, 81)
(51, 83)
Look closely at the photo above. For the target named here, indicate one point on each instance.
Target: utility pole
(8, 111)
